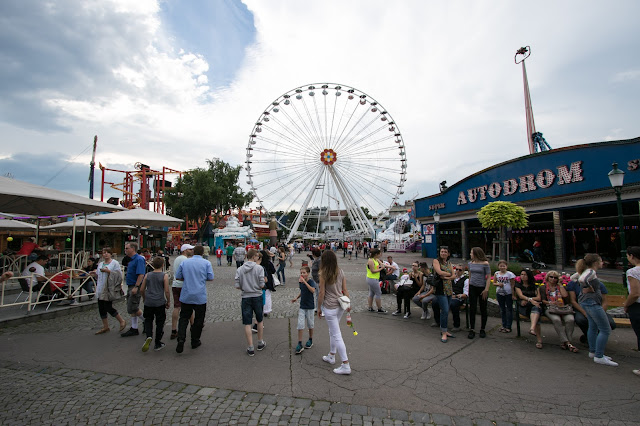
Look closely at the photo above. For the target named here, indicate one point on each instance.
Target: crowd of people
(445, 287)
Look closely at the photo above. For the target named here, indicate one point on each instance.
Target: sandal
(501, 329)
(539, 345)
(532, 332)
(572, 348)
(123, 325)
(102, 331)
(564, 346)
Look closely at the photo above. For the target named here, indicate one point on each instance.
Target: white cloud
(444, 70)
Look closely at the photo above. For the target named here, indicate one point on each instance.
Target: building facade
(566, 192)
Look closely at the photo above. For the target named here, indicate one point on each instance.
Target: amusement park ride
(320, 147)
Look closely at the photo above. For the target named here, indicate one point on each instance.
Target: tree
(502, 214)
(346, 223)
(199, 191)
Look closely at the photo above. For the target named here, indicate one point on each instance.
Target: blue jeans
(281, 271)
(599, 328)
(443, 303)
(505, 301)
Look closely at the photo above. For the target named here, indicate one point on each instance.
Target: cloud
(158, 84)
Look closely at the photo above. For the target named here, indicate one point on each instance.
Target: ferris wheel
(323, 152)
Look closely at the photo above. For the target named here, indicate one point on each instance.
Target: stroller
(535, 264)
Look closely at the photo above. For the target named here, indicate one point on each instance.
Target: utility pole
(92, 166)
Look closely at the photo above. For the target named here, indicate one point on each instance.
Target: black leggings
(634, 316)
(475, 296)
(404, 293)
(106, 307)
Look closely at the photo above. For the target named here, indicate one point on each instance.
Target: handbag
(345, 302)
(276, 281)
(560, 310)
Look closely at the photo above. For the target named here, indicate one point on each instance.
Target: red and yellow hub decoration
(328, 157)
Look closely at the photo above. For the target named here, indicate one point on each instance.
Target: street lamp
(436, 220)
(616, 177)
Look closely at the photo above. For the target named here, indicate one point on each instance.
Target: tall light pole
(616, 177)
(436, 220)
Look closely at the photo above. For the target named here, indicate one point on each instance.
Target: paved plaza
(56, 371)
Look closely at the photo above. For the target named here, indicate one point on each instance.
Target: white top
(177, 283)
(635, 273)
(104, 276)
(33, 268)
(505, 280)
(394, 268)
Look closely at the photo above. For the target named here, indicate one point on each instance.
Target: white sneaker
(424, 315)
(331, 359)
(593, 354)
(343, 369)
(428, 313)
(605, 361)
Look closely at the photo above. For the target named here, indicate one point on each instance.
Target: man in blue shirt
(194, 272)
(135, 274)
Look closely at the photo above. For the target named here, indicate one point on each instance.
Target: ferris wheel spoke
(366, 141)
(313, 140)
(370, 164)
(302, 190)
(311, 123)
(281, 153)
(290, 142)
(315, 105)
(355, 139)
(365, 173)
(300, 132)
(333, 118)
(277, 169)
(366, 198)
(348, 136)
(363, 150)
(346, 125)
(291, 177)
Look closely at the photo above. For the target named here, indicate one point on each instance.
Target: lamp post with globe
(616, 177)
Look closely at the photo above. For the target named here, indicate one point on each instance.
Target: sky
(175, 82)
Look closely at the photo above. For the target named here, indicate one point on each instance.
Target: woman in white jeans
(333, 284)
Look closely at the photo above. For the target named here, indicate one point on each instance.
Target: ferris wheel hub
(328, 157)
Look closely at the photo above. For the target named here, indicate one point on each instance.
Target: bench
(614, 301)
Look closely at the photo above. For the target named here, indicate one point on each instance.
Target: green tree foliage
(503, 214)
(200, 190)
(346, 223)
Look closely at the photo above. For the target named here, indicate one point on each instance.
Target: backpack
(385, 287)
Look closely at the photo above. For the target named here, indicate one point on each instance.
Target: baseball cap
(186, 247)
(405, 270)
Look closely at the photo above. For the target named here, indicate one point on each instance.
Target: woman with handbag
(590, 299)
(333, 287)
(443, 274)
(106, 273)
(555, 299)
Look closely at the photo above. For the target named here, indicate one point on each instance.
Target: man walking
(239, 254)
(194, 273)
(186, 251)
(135, 274)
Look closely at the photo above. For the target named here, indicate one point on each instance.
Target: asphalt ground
(56, 371)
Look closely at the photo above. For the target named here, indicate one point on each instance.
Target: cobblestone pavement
(51, 395)
(224, 300)
(56, 372)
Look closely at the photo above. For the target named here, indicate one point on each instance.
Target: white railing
(55, 288)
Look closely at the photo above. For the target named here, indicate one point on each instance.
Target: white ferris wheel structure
(325, 148)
